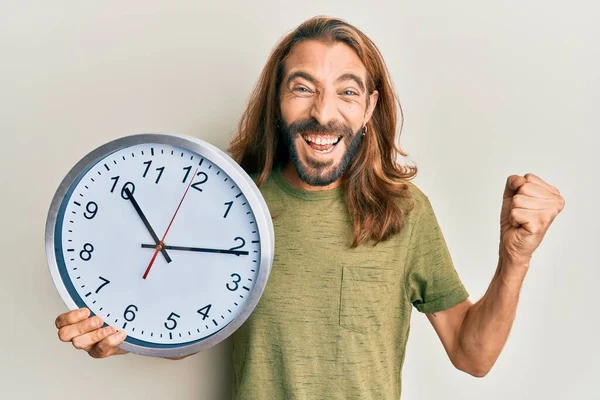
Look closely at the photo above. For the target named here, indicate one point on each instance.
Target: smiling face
(324, 105)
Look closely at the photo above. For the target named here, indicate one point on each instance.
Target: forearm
(487, 323)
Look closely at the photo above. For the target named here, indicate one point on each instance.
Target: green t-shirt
(333, 321)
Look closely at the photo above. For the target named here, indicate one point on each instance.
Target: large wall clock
(163, 236)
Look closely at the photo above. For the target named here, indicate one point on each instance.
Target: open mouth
(322, 144)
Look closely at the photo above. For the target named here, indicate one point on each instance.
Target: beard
(313, 171)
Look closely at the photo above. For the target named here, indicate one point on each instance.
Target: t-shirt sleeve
(432, 282)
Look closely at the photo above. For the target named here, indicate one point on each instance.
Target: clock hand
(198, 249)
(160, 245)
(146, 223)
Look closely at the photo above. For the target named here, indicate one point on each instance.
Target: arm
(473, 335)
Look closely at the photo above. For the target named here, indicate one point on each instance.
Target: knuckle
(101, 334)
(518, 200)
(108, 330)
(523, 188)
(91, 324)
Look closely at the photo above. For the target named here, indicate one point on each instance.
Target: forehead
(323, 60)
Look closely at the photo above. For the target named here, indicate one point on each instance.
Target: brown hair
(374, 192)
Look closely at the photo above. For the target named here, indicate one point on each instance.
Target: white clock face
(108, 228)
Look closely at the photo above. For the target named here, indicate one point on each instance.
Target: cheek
(353, 114)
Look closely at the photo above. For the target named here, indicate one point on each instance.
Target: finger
(85, 341)
(68, 332)
(535, 179)
(532, 203)
(530, 220)
(533, 189)
(108, 346)
(513, 182)
(71, 317)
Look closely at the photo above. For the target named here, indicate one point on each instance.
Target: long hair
(374, 184)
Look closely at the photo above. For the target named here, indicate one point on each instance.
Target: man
(357, 244)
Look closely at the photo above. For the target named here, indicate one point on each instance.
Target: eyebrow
(352, 77)
(311, 79)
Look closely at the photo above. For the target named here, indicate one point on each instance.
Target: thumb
(513, 183)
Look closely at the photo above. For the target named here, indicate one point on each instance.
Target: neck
(291, 175)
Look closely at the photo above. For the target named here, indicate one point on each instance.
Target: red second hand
(159, 246)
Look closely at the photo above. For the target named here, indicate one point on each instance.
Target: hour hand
(198, 249)
(147, 224)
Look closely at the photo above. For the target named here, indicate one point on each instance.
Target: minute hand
(198, 249)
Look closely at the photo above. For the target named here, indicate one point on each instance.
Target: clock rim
(232, 169)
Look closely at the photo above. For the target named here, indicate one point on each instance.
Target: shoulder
(420, 201)
(416, 192)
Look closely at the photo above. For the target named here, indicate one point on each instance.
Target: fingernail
(122, 334)
(97, 321)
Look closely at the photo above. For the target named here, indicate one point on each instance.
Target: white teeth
(321, 140)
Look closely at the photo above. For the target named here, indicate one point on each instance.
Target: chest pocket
(365, 299)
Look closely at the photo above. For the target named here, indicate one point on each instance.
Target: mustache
(313, 126)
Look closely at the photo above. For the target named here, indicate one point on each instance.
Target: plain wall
(488, 89)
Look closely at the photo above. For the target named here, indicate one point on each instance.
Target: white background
(488, 89)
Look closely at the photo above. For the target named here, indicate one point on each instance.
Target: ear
(372, 104)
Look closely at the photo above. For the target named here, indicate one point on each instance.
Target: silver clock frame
(229, 166)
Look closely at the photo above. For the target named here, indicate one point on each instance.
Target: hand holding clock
(86, 333)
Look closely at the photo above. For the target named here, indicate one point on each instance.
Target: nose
(324, 108)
